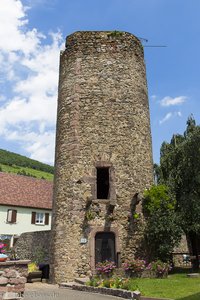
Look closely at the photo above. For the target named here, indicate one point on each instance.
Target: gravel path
(43, 291)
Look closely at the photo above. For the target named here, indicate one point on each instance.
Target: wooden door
(105, 247)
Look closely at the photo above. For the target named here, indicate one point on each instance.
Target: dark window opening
(103, 183)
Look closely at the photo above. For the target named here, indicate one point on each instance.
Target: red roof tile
(18, 190)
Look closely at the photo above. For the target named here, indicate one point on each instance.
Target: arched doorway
(105, 248)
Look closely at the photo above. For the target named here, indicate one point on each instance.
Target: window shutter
(33, 217)
(9, 215)
(14, 216)
(46, 218)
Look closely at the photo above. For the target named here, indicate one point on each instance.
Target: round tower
(103, 153)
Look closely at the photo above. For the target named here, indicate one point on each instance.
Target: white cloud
(170, 115)
(166, 118)
(13, 35)
(28, 80)
(169, 101)
(153, 97)
(39, 145)
(179, 114)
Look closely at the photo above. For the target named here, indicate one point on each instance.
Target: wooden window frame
(39, 218)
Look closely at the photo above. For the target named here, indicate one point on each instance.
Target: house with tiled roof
(25, 204)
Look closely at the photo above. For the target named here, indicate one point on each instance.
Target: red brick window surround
(101, 229)
(104, 185)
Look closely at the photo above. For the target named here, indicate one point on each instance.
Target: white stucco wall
(23, 222)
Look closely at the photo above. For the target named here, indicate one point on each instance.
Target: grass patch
(176, 286)
(34, 173)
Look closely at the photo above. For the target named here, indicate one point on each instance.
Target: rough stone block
(10, 273)
(136, 295)
(193, 275)
(3, 289)
(10, 296)
(3, 280)
(16, 288)
(18, 280)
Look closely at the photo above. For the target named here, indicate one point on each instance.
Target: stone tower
(103, 152)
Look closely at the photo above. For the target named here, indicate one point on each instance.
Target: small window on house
(11, 216)
(40, 218)
(103, 183)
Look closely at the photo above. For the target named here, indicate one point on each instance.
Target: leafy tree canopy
(162, 232)
(156, 198)
(180, 171)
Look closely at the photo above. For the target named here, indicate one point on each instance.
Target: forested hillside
(22, 165)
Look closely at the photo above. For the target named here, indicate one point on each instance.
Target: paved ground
(43, 291)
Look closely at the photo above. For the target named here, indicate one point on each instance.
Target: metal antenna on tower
(144, 40)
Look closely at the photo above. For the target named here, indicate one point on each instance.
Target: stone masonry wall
(103, 120)
(13, 276)
(33, 246)
(179, 251)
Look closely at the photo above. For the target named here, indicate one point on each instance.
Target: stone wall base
(134, 295)
(13, 279)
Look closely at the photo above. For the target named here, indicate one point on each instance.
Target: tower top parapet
(102, 41)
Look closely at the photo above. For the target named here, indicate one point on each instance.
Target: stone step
(193, 275)
(66, 285)
(82, 280)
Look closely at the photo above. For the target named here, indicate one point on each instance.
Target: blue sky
(32, 34)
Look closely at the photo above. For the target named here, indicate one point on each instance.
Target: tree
(180, 171)
(162, 232)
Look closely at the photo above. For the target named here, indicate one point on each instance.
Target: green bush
(156, 197)
(113, 282)
(159, 269)
(163, 231)
(95, 281)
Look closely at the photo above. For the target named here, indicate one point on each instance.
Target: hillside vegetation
(15, 163)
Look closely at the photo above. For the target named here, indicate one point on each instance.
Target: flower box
(34, 276)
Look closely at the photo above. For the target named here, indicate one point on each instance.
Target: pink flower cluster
(2, 247)
(105, 267)
(135, 266)
(159, 268)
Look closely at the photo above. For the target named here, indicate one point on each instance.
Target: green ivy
(90, 215)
